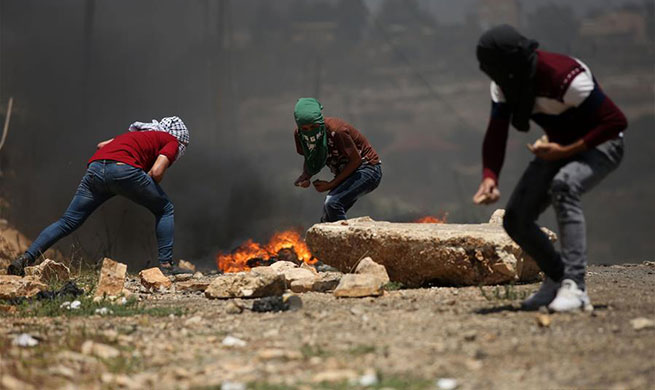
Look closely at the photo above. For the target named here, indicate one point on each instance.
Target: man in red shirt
(333, 142)
(131, 165)
(585, 144)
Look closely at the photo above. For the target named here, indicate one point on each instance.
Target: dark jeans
(560, 184)
(364, 180)
(104, 179)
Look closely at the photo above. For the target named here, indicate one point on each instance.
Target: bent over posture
(131, 165)
(585, 143)
(333, 142)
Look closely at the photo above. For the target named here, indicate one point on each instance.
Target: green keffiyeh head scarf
(314, 141)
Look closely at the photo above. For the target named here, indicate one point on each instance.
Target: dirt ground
(406, 339)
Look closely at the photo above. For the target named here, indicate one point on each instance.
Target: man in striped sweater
(584, 144)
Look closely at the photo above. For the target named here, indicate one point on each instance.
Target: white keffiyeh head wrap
(172, 125)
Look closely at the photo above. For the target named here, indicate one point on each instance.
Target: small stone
(370, 267)
(370, 378)
(112, 278)
(228, 385)
(187, 265)
(497, 217)
(193, 321)
(12, 286)
(331, 376)
(294, 301)
(281, 266)
(198, 275)
(230, 341)
(359, 285)
(259, 282)
(49, 271)
(470, 335)
(182, 277)
(447, 384)
(642, 323)
(154, 278)
(10, 383)
(102, 351)
(543, 320)
(233, 308)
(299, 279)
(192, 285)
(25, 340)
(278, 354)
(327, 281)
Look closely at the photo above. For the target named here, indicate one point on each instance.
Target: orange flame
(432, 219)
(237, 260)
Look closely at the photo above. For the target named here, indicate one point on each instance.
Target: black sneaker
(170, 269)
(17, 267)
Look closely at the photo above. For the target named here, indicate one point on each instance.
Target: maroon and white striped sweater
(569, 105)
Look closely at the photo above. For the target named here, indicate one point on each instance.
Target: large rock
(259, 282)
(49, 271)
(153, 278)
(12, 286)
(359, 285)
(370, 267)
(415, 253)
(112, 278)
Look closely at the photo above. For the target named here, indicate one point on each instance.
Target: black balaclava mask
(510, 60)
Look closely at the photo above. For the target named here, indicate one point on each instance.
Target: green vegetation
(56, 307)
(394, 382)
(393, 286)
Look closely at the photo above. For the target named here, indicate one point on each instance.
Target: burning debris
(433, 219)
(283, 246)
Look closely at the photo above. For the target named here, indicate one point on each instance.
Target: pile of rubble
(369, 255)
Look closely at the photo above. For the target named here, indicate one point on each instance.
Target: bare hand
(549, 151)
(302, 181)
(322, 185)
(487, 192)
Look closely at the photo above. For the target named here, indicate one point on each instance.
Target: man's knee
(332, 204)
(169, 209)
(332, 209)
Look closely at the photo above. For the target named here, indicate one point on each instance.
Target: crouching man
(333, 142)
(585, 144)
(132, 165)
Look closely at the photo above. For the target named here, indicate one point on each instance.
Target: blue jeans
(364, 180)
(103, 180)
(560, 184)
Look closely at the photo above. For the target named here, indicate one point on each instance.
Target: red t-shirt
(138, 149)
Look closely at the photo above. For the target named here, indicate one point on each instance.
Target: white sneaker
(543, 296)
(570, 297)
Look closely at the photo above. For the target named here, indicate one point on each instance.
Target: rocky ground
(425, 338)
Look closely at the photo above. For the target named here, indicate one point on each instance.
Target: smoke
(82, 71)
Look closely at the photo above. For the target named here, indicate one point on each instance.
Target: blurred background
(403, 72)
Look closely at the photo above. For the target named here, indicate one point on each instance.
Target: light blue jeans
(103, 180)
